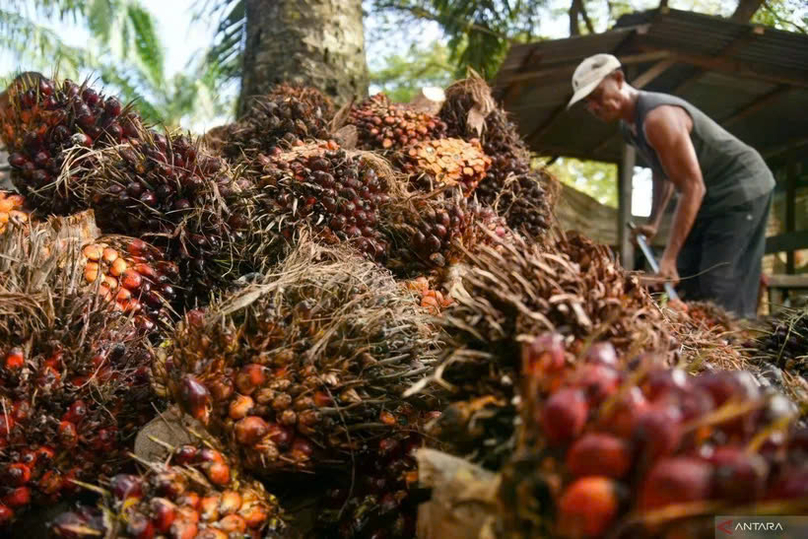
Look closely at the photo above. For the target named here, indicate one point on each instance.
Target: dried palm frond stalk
(386, 126)
(196, 492)
(302, 370)
(289, 115)
(74, 372)
(612, 445)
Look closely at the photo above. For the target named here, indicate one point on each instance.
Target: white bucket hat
(590, 73)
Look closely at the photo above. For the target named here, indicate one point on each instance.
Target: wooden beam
(788, 281)
(790, 241)
(648, 76)
(756, 105)
(733, 67)
(514, 88)
(737, 44)
(549, 150)
(570, 68)
(791, 204)
(625, 174)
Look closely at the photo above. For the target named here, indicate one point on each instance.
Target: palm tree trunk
(315, 42)
(745, 10)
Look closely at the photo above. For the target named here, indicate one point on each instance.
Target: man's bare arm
(667, 129)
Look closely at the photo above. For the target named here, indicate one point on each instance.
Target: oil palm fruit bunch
(525, 203)
(297, 372)
(384, 125)
(644, 448)
(490, 229)
(288, 116)
(133, 274)
(43, 120)
(449, 162)
(335, 192)
(12, 209)
(784, 342)
(382, 502)
(74, 374)
(197, 493)
(427, 231)
(470, 111)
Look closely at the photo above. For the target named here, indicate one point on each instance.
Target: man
(719, 228)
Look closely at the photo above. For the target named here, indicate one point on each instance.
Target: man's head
(600, 83)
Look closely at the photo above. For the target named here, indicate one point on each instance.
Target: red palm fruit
(250, 378)
(218, 473)
(131, 279)
(564, 415)
(544, 354)
(657, 433)
(602, 353)
(185, 454)
(233, 524)
(14, 360)
(190, 499)
(207, 454)
(230, 502)
(240, 407)
(163, 514)
(139, 527)
(210, 533)
(588, 507)
(125, 486)
(6, 515)
(622, 418)
(791, 485)
(250, 430)
(195, 398)
(675, 481)
(170, 484)
(254, 516)
(597, 381)
(184, 530)
(599, 454)
(187, 514)
(50, 482)
(76, 413)
(209, 509)
(17, 474)
(740, 477)
(660, 381)
(19, 497)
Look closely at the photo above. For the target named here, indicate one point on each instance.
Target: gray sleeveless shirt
(733, 172)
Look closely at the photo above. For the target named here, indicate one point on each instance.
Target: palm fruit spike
(12, 209)
(47, 117)
(384, 125)
(277, 372)
(381, 503)
(134, 274)
(288, 116)
(338, 193)
(198, 492)
(427, 230)
(450, 162)
(644, 438)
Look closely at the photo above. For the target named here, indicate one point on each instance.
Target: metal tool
(649, 255)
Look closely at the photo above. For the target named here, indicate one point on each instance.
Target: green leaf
(147, 44)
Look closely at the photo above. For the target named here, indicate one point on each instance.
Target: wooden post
(625, 173)
(791, 202)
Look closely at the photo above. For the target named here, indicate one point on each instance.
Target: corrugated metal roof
(722, 67)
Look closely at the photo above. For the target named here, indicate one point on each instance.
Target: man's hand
(649, 231)
(667, 269)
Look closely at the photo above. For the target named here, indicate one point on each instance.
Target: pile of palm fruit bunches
(321, 306)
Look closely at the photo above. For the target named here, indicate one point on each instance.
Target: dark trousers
(720, 260)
